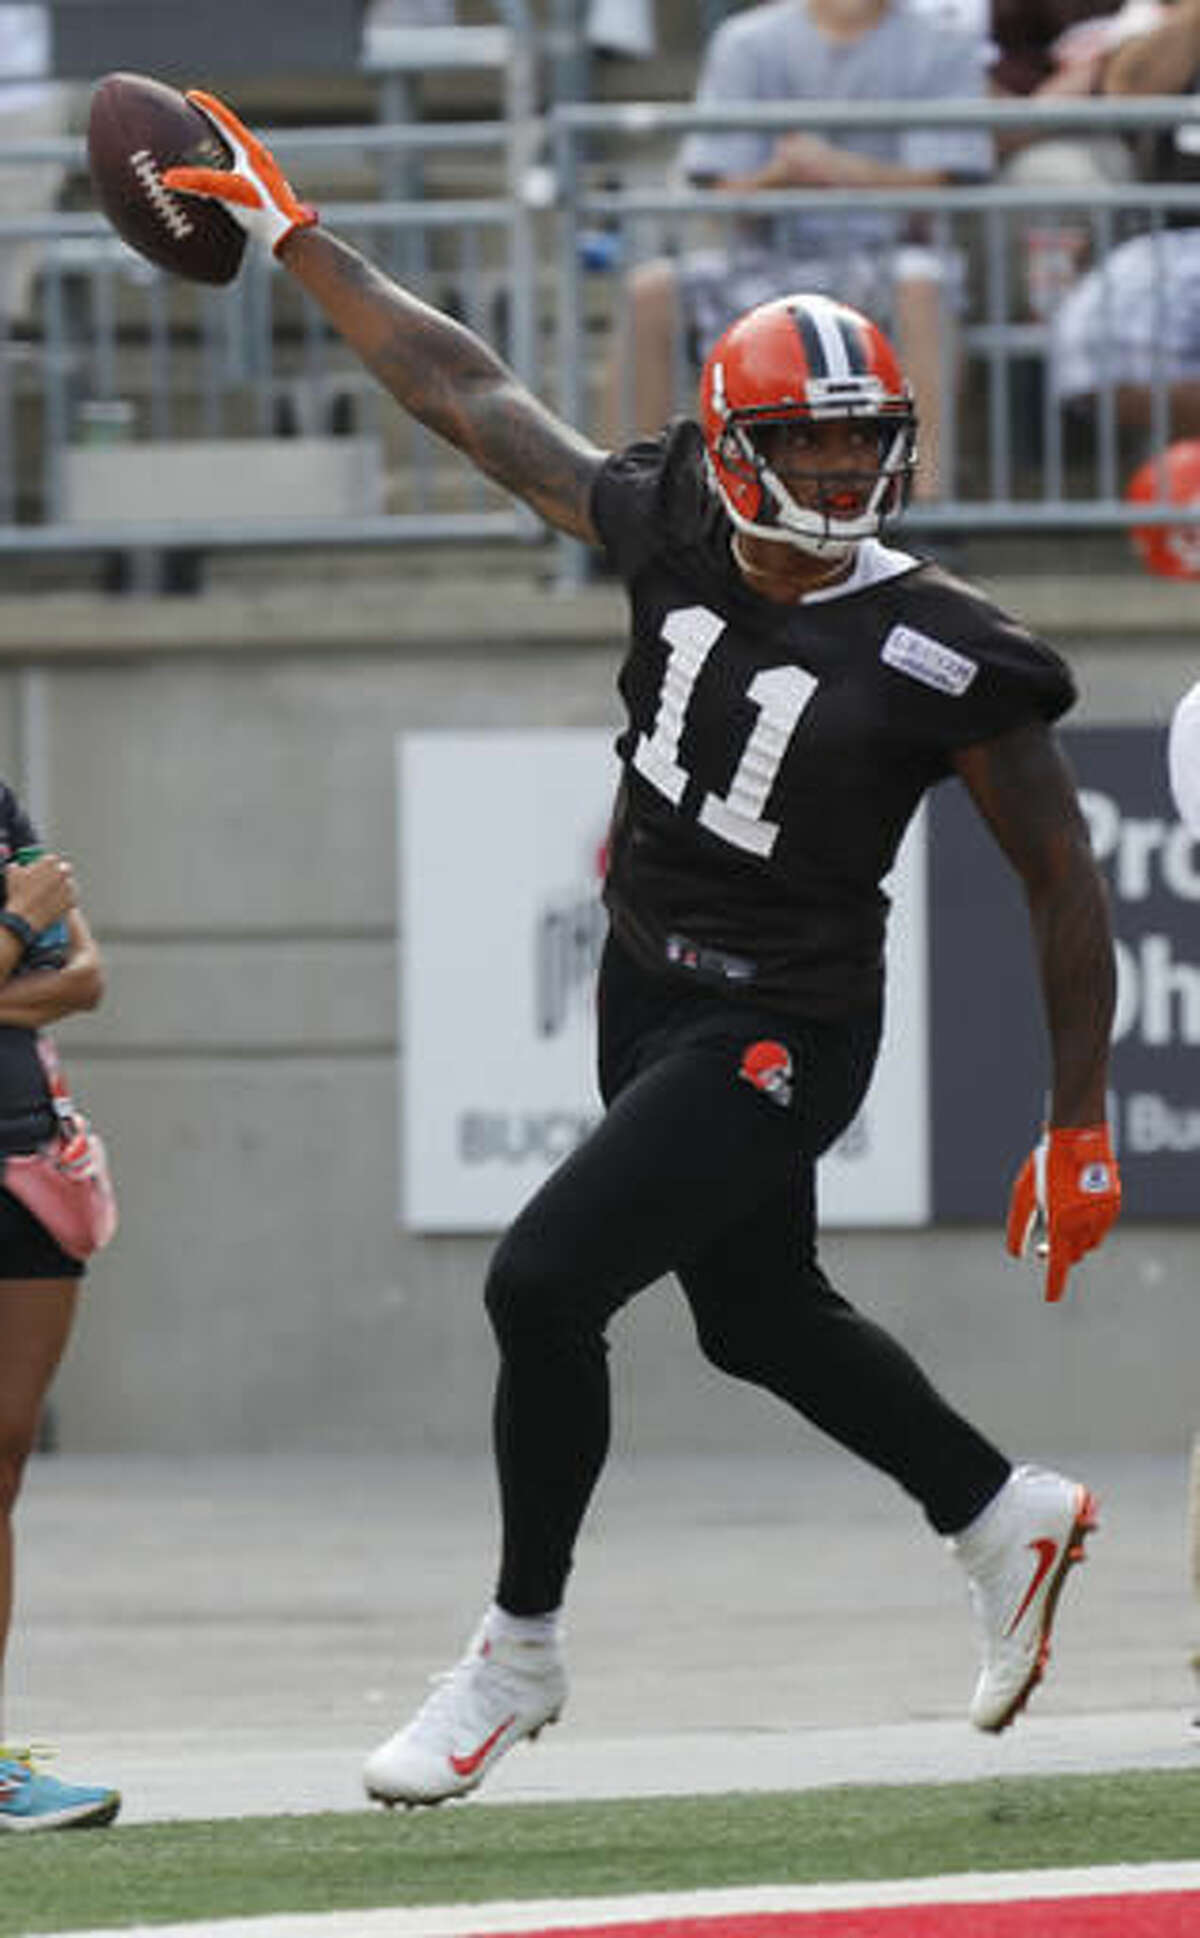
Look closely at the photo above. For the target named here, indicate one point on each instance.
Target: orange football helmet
(805, 358)
(1173, 478)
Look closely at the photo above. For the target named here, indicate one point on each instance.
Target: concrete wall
(221, 769)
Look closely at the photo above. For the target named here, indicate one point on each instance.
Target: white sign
(501, 841)
(878, 1173)
(500, 846)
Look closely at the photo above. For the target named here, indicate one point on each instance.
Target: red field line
(1167, 1914)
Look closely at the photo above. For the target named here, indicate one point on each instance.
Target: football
(138, 128)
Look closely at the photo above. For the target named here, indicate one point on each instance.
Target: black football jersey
(773, 755)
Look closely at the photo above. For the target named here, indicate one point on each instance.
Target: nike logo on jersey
(1047, 1553)
(928, 661)
(465, 1766)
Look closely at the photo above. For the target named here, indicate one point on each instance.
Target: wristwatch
(16, 925)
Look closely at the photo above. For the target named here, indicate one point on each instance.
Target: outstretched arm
(451, 380)
(438, 371)
(1023, 789)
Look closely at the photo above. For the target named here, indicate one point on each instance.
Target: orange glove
(254, 189)
(1071, 1182)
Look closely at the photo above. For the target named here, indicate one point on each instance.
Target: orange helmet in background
(811, 358)
(1172, 478)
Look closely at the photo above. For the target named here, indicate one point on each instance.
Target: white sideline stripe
(539, 1914)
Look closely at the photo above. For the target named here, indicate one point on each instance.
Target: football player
(793, 686)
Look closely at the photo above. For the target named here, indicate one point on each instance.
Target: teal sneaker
(31, 1800)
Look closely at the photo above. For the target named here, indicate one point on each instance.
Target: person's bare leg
(1135, 408)
(638, 390)
(926, 354)
(36, 1316)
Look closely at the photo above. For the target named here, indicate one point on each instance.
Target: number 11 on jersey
(780, 693)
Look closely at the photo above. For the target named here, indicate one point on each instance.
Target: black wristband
(16, 925)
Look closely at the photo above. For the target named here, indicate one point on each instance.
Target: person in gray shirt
(820, 51)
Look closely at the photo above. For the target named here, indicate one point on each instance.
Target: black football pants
(699, 1170)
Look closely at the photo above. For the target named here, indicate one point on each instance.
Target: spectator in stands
(1049, 50)
(1133, 323)
(32, 108)
(820, 51)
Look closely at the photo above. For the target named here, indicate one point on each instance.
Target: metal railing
(118, 380)
(1025, 473)
(117, 355)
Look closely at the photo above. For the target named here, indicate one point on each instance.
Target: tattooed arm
(1022, 787)
(450, 380)
(441, 373)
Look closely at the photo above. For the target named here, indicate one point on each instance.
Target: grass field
(158, 1873)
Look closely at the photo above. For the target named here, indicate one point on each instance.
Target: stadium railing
(127, 397)
(1013, 458)
(127, 400)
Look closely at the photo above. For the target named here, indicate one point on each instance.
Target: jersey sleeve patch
(928, 660)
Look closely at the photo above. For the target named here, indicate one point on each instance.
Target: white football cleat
(499, 1693)
(1017, 1554)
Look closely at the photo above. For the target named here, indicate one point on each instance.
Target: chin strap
(809, 530)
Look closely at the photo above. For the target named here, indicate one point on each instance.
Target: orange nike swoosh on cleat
(467, 1765)
(1047, 1554)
